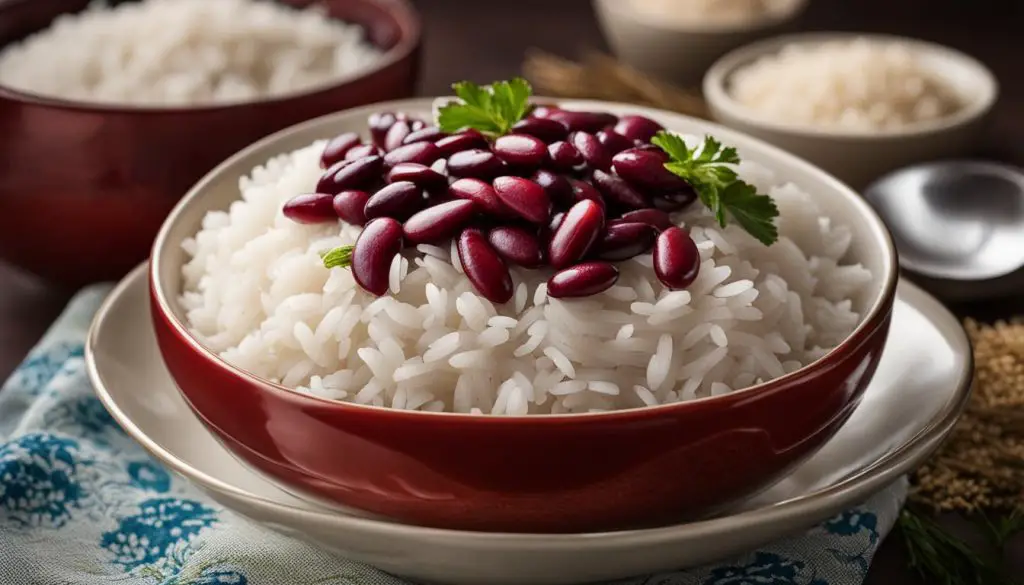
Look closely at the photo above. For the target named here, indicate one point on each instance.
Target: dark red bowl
(543, 473)
(95, 181)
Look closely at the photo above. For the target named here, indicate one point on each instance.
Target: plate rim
(852, 488)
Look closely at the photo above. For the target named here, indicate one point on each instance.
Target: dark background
(485, 40)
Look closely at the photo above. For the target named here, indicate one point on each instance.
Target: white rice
(862, 85)
(185, 52)
(257, 294)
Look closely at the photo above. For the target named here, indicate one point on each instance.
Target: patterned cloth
(80, 503)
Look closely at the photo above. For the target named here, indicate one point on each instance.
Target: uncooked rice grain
(256, 293)
(861, 85)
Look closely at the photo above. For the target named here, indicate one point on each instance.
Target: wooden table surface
(484, 41)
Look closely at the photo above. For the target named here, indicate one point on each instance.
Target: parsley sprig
(491, 109)
(340, 256)
(718, 186)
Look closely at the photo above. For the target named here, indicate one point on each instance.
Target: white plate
(921, 386)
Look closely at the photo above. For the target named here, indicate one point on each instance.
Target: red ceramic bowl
(545, 473)
(98, 180)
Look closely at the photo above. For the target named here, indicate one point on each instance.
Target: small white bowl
(681, 51)
(860, 157)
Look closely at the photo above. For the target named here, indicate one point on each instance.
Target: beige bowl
(858, 157)
(681, 51)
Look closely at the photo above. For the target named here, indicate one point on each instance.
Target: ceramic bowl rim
(402, 12)
(718, 75)
(886, 469)
(620, 9)
(879, 308)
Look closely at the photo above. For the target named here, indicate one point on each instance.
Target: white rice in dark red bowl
(256, 293)
(183, 53)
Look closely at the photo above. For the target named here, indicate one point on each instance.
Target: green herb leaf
(1006, 527)
(718, 186)
(492, 109)
(942, 558)
(752, 211)
(340, 256)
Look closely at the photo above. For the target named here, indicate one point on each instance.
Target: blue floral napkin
(80, 503)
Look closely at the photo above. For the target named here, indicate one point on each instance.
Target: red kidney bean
(374, 251)
(655, 218)
(623, 241)
(541, 128)
(484, 267)
(556, 186)
(648, 147)
(646, 170)
(422, 153)
(618, 191)
(350, 206)
(440, 222)
(651, 149)
(523, 196)
(564, 156)
(428, 134)
(577, 233)
(464, 140)
(544, 110)
(521, 150)
(676, 258)
(638, 127)
(310, 208)
(593, 153)
(675, 200)
(380, 123)
(423, 176)
(396, 134)
(440, 166)
(397, 200)
(613, 142)
(475, 163)
(326, 181)
(337, 148)
(582, 190)
(556, 221)
(363, 151)
(517, 246)
(583, 121)
(482, 194)
(355, 175)
(583, 280)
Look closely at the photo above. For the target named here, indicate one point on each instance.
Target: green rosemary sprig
(943, 559)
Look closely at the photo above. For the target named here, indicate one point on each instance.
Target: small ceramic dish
(860, 157)
(921, 385)
(468, 471)
(99, 178)
(677, 50)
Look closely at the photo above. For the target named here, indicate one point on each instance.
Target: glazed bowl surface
(539, 473)
(681, 52)
(99, 179)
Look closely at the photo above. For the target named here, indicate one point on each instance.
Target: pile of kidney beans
(575, 191)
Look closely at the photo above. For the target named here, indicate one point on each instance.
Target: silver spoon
(958, 226)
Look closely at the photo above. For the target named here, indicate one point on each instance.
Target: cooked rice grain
(256, 293)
